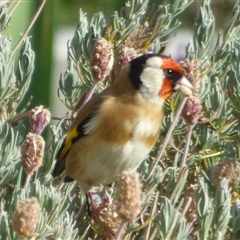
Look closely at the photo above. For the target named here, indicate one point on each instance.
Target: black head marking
(136, 68)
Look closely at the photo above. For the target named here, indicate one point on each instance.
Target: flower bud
(128, 196)
(101, 60)
(32, 152)
(39, 119)
(26, 217)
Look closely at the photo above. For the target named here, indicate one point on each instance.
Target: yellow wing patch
(73, 133)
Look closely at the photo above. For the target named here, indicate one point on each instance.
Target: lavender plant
(190, 181)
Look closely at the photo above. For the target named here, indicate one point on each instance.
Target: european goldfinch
(117, 128)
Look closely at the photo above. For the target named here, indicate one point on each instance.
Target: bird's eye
(172, 75)
(169, 73)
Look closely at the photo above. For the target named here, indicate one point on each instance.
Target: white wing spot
(91, 125)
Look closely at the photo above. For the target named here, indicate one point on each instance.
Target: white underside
(104, 164)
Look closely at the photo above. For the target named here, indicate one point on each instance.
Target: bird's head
(156, 77)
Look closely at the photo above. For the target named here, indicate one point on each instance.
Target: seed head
(26, 217)
(128, 196)
(32, 152)
(192, 72)
(101, 60)
(39, 119)
(105, 220)
(192, 109)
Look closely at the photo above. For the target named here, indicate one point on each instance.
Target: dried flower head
(26, 217)
(192, 109)
(105, 218)
(128, 196)
(192, 72)
(32, 152)
(125, 56)
(39, 119)
(191, 214)
(228, 168)
(101, 60)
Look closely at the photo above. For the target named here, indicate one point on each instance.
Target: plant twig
(90, 93)
(29, 27)
(153, 234)
(180, 176)
(153, 210)
(27, 181)
(173, 224)
(161, 150)
(186, 149)
(118, 235)
(14, 6)
(178, 219)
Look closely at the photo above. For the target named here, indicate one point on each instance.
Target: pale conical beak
(184, 86)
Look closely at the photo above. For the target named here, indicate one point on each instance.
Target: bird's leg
(89, 201)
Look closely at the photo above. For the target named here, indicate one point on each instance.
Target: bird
(118, 127)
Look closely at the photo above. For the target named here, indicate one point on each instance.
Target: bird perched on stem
(117, 128)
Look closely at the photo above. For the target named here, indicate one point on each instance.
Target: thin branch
(163, 146)
(27, 180)
(153, 210)
(90, 93)
(29, 27)
(14, 6)
(178, 219)
(186, 149)
(120, 231)
(180, 176)
(155, 231)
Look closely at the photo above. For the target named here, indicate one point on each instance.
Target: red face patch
(166, 90)
(168, 63)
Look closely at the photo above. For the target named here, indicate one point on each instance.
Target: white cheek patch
(152, 80)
